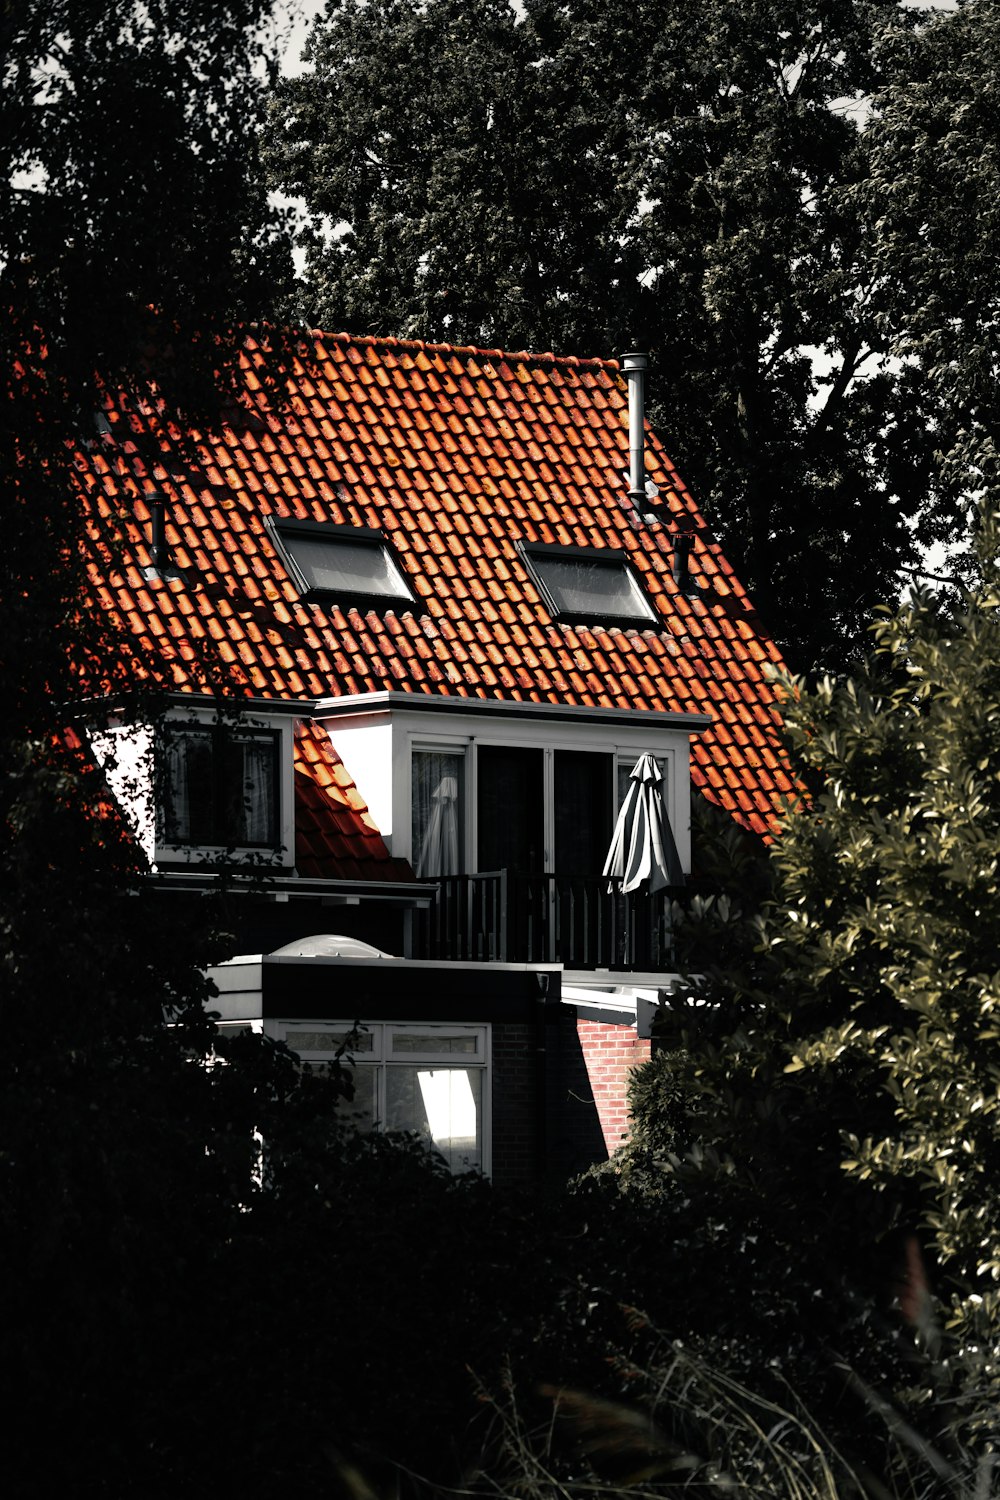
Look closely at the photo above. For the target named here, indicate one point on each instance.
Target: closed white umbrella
(642, 845)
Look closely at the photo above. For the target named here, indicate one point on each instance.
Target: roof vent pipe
(161, 567)
(683, 547)
(635, 365)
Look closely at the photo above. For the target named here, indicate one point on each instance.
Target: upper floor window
(352, 565)
(594, 585)
(218, 786)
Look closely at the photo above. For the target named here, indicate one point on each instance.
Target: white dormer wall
(126, 753)
(375, 735)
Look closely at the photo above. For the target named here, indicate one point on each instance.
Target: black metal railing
(575, 920)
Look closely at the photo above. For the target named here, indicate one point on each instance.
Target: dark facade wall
(261, 926)
(517, 1124)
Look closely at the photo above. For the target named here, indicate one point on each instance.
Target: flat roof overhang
(277, 986)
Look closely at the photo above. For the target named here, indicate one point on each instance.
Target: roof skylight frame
(645, 616)
(368, 541)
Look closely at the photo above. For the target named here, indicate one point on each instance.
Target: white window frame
(382, 1057)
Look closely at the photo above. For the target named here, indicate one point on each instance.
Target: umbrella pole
(624, 951)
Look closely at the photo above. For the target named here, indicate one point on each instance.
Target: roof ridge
(428, 346)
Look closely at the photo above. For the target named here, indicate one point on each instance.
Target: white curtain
(257, 821)
(437, 823)
(176, 789)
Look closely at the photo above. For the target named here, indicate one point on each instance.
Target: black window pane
(510, 809)
(582, 811)
(436, 800)
(248, 794)
(188, 786)
(218, 787)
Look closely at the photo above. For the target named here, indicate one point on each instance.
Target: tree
(132, 238)
(129, 224)
(929, 207)
(841, 1080)
(696, 180)
(585, 179)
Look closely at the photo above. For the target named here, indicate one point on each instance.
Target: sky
(297, 15)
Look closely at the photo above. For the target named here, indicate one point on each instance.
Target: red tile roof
(455, 455)
(335, 837)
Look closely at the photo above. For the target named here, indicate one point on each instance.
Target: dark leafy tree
(130, 225)
(929, 205)
(134, 240)
(701, 181)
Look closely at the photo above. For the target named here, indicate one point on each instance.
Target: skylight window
(595, 585)
(350, 565)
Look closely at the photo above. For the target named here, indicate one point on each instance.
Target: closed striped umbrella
(642, 845)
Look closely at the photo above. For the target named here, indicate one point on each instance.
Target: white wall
(125, 755)
(364, 743)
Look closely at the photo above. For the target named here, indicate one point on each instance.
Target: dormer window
(592, 585)
(352, 566)
(218, 786)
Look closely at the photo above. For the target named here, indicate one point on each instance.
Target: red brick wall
(610, 1053)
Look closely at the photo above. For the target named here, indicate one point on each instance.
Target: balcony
(503, 917)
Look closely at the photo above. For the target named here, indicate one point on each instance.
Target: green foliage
(702, 181)
(129, 205)
(846, 1067)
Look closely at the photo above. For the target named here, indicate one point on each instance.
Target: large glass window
(428, 1080)
(582, 811)
(437, 807)
(218, 786)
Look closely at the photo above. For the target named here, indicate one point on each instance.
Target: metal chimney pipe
(634, 366)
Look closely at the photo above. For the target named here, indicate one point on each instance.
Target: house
(418, 611)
